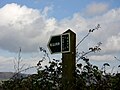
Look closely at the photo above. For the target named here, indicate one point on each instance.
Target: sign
(54, 44)
(59, 43)
(65, 42)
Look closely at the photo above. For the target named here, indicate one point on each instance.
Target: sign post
(69, 62)
(65, 44)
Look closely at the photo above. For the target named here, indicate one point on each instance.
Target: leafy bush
(88, 77)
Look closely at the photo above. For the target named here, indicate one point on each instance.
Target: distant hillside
(8, 75)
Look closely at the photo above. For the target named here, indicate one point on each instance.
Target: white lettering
(54, 44)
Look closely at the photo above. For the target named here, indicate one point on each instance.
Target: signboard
(65, 42)
(54, 44)
(59, 43)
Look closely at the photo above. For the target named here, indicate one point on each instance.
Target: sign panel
(54, 44)
(59, 43)
(65, 43)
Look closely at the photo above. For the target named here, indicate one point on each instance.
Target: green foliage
(88, 77)
(48, 78)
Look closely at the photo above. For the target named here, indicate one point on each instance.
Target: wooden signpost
(69, 62)
(65, 43)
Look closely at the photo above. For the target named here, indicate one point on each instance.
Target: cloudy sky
(30, 23)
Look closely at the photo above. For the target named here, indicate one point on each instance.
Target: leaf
(86, 59)
(40, 48)
(118, 65)
(77, 71)
(90, 30)
(79, 65)
(95, 67)
(91, 49)
(106, 64)
(87, 67)
(84, 74)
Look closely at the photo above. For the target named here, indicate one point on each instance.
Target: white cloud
(96, 8)
(112, 44)
(76, 23)
(7, 64)
(13, 14)
(109, 32)
(23, 27)
(46, 10)
(29, 28)
(101, 57)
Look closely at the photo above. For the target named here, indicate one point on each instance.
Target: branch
(82, 39)
(91, 30)
(22, 71)
(45, 53)
(83, 55)
(116, 58)
(92, 49)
